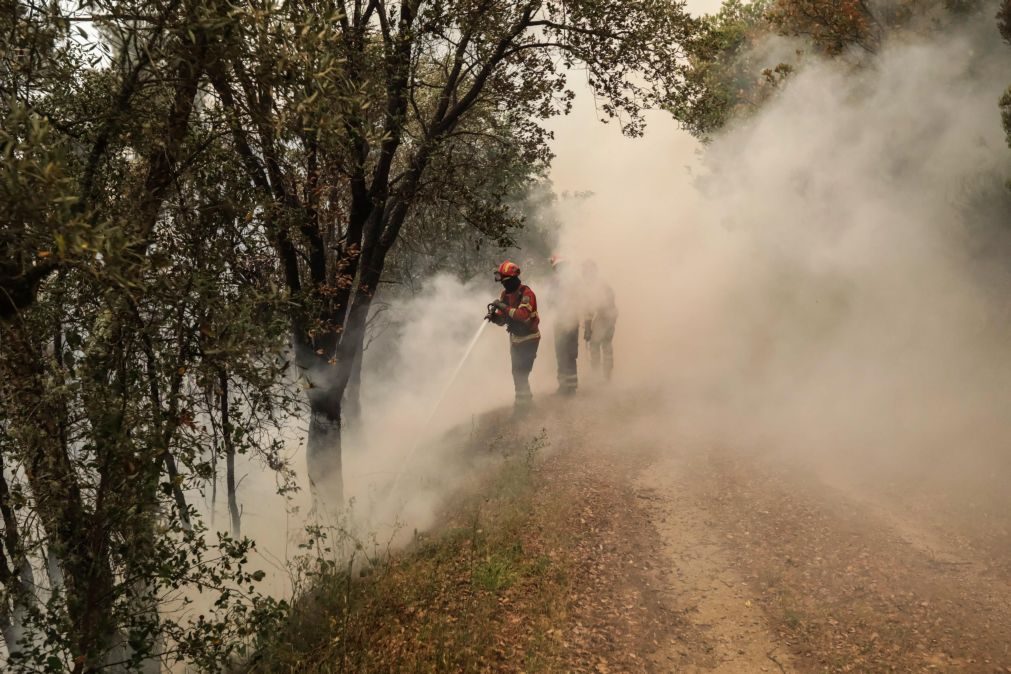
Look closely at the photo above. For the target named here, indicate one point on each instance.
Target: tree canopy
(200, 201)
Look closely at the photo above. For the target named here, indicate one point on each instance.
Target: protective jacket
(601, 310)
(521, 319)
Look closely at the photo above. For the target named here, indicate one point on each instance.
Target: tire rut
(705, 586)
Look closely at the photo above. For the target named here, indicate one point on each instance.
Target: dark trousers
(601, 348)
(523, 356)
(566, 352)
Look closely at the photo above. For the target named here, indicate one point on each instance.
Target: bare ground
(710, 559)
(603, 545)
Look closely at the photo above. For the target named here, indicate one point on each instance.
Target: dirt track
(706, 559)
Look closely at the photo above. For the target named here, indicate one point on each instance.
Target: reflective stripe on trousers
(566, 352)
(602, 349)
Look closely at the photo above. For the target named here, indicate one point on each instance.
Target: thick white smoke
(809, 282)
(812, 281)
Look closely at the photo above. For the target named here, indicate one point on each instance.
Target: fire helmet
(507, 270)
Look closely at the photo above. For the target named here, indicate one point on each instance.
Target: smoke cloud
(825, 280)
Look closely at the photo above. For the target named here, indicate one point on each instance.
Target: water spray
(442, 395)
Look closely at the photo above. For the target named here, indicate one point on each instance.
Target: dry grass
(473, 596)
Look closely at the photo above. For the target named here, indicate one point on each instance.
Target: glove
(496, 312)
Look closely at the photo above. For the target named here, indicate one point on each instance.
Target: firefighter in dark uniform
(600, 320)
(566, 305)
(516, 309)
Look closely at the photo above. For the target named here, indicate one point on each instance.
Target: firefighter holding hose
(516, 309)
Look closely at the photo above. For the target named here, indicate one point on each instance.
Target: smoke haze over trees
(211, 210)
(199, 203)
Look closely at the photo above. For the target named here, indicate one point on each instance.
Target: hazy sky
(703, 6)
(590, 155)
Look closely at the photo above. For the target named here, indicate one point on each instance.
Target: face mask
(511, 284)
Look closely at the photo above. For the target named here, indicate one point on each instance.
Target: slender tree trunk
(19, 581)
(214, 465)
(226, 426)
(11, 636)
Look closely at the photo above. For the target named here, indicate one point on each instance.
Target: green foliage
(497, 571)
(1004, 25)
(1005, 113)
(725, 68)
(129, 283)
(832, 27)
(197, 194)
(38, 228)
(1004, 19)
(420, 120)
(209, 634)
(733, 73)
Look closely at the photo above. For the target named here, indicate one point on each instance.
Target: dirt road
(709, 559)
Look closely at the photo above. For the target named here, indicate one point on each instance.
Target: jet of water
(438, 403)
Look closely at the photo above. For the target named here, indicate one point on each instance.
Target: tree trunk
(323, 448)
(19, 581)
(233, 503)
(214, 479)
(76, 539)
(353, 395)
(11, 635)
(328, 375)
(54, 571)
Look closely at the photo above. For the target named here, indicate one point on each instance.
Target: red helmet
(506, 270)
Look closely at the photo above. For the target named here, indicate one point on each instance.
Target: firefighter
(600, 319)
(567, 327)
(516, 309)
